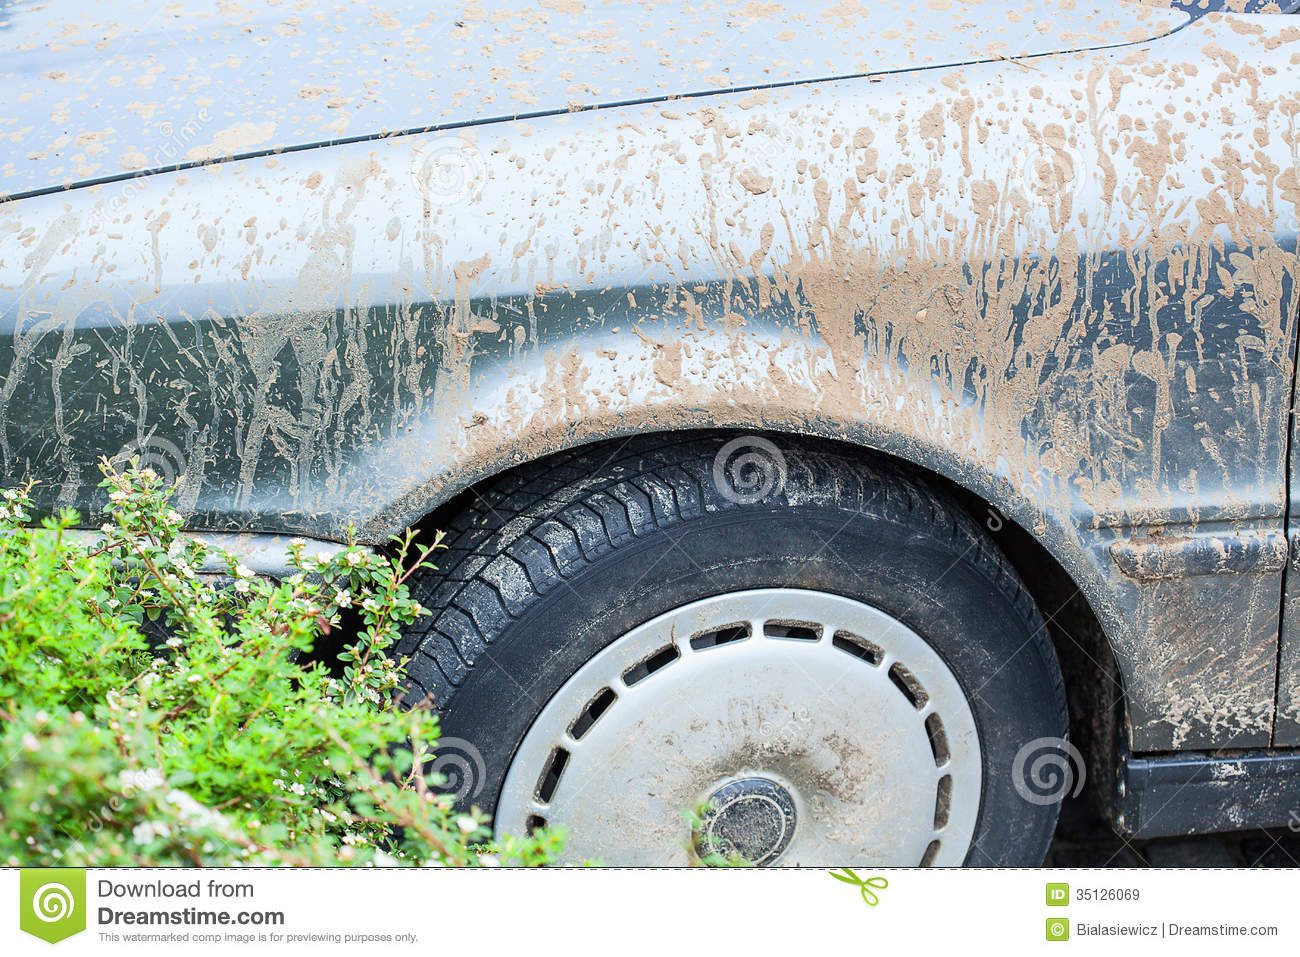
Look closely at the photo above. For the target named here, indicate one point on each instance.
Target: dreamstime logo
(130, 784)
(448, 170)
(162, 455)
(52, 902)
(749, 469)
(1049, 173)
(994, 521)
(462, 765)
(170, 152)
(767, 150)
(791, 728)
(1046, 770)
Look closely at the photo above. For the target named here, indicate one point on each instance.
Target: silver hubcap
(794, 727)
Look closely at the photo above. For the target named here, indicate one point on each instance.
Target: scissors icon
(867, 886)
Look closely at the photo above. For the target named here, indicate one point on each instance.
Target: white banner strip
(647, 911)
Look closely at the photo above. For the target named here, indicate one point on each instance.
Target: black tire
(554, 561)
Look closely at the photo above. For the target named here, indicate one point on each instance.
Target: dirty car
(858, 426)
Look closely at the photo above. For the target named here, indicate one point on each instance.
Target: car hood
(94, 92)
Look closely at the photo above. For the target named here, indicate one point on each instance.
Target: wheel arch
(1090, 661)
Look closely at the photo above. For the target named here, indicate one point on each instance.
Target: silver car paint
(1066, 282)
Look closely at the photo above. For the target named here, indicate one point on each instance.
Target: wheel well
(1092, 679)
(1093, 683)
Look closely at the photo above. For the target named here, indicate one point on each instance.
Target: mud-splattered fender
(1067, 283)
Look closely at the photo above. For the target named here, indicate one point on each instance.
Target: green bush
(219, 745)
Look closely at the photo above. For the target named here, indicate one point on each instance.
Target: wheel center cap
(752, 818)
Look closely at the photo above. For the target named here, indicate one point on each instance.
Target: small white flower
(147, 780)
(146, 831)
(241, 586)
(243, 571)
(192, 811)
(343, 599)
(174, 641)
(466, 824)
(194, 679)
(353, 558)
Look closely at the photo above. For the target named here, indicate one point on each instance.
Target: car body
(1046, 254)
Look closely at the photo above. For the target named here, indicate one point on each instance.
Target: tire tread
(526, 533)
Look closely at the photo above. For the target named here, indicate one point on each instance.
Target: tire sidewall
(921, 580)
